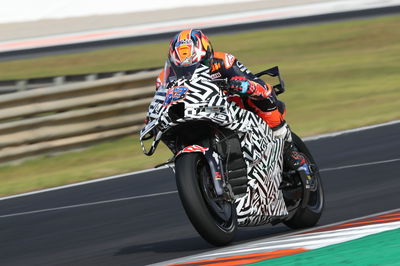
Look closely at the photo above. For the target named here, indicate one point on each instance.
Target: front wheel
(214, 218)
(311, 213)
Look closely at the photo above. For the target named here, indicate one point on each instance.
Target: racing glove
(244, 86)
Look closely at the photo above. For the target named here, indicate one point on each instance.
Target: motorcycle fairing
(263, 156)
(261, 151)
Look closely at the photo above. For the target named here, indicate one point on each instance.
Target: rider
(190, 47)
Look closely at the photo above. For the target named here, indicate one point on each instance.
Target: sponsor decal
(194, 148)
(216, 75)
(215, 67)
(229, 60)
(218, 175)
(242, 67)
(184, 41)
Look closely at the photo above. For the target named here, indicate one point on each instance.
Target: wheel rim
(222, 211)
(315, 202)
(316, 199)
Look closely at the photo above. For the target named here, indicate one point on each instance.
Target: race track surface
(126, 221)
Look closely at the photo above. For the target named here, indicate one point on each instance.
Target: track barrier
(71, 116)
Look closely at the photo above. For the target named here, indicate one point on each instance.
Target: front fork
(219, 177)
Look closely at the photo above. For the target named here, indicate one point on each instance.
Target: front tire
(193, 179)
(309, 215)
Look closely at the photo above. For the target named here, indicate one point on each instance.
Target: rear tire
(192, 175)
(310, 215)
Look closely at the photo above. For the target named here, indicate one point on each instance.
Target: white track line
(88, 204)
(359, 165)
(157, 169)
(354, 130)
(165, 193)
(83, 183)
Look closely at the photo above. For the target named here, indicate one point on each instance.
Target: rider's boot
(292, 158)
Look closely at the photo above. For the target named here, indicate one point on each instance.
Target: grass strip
(377, 249)
(106, 159)
(338, 76)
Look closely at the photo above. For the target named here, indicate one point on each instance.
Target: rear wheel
(311, 213)
(213, 217)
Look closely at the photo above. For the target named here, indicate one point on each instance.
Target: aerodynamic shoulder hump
(228, 59)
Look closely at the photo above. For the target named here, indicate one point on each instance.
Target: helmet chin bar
(187, 62)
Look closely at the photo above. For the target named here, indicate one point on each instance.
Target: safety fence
(16, 85)
(55, 119)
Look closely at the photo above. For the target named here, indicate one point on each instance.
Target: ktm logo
(215, 67)
(229, 60)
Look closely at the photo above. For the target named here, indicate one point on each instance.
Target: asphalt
(143, 230)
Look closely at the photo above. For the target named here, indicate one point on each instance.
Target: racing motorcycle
(228, 165)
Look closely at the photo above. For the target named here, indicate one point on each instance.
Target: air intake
(176, 111)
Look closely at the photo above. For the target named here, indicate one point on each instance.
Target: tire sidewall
(307, 217)
(188, 184)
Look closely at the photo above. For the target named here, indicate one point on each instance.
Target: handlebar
(223, 83)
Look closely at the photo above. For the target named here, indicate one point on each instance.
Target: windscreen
(184, 71)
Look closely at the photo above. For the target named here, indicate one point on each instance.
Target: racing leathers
(260, 96)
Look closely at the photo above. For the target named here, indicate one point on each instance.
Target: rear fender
(215, 163)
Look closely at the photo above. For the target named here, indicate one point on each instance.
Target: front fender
(193, 148)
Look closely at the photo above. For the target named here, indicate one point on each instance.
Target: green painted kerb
(378, 249)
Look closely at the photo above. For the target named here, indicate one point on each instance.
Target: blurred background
(76, 77)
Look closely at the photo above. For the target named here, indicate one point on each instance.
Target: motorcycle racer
(190, 47)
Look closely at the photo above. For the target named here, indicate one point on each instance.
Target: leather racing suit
(260, 98)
